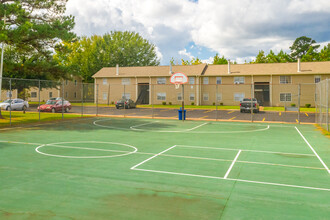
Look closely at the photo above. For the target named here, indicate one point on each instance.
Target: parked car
(15, 104)
(57, 98)
(125, 103)
(245, 105)
(55, 106)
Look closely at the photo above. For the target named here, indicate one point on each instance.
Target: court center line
(310, 146)
(258, 151)
(232, 164)
(132, 168)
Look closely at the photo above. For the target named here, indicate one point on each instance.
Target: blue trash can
(180, 114)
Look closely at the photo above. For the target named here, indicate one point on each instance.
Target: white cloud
(237, 29)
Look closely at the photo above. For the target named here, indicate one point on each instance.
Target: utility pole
(1, 65)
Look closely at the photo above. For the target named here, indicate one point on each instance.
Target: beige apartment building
(273, 84)
(72, 91)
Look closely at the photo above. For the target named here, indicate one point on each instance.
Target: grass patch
(32, 117)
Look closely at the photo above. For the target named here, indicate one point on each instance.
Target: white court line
(133, 127)
(132, 168)
(239, 180)
(182, 131)
(257, 151)
(232, 164)
(310, 146)
(196, 127)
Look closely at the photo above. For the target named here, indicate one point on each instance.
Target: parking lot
(202, 114)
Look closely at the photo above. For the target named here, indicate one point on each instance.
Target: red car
(55, 106)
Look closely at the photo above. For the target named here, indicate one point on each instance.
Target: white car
(15, 104)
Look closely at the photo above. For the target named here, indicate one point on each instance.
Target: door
(261, 93)
(143, 94)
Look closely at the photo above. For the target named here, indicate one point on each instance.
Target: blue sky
(185, 29)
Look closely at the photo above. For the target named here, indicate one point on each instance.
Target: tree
(31, 29)
(194, 61)
(324, 55)
(261, 58)
(89, 54)
(301, 45)
(310, 56)
(219, 60)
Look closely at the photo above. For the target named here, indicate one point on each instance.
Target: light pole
(1, 65)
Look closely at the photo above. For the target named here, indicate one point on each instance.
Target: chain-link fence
(39, 100)
(322, 103)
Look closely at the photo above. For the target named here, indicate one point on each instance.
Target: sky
(186, 29)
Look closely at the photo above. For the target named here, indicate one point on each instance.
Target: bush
(193, 103)
(213, 103)
(164, 103)
(112, 103)
(221, 103)
(293, 105)
(170, 103)
(308, 105)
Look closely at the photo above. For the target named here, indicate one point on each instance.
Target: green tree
(194, 61)
(89, 54)
(261, 58)
(310, 56)
(219, 60)
(324, 55)
(32, 31)
(301, 46)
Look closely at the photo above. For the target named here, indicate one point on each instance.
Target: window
(66, 82)
(126, 95)
(239, 80)
(205, 97)
(75, 94)
(33, 94)
(285, 79)
(219, 80)
(105, 96)
(219, 97)
(75, 82)
(50, 94)
(192, 97)
(125, 81)
(66, 94)
(191, 80)
(105, 81)
(9, 94)
(161, 80)
(161, 96)
(285, 97)
(179, 96)
(317, 79)
(205, 80)
(238, 97)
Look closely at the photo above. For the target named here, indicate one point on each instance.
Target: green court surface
(125, 168)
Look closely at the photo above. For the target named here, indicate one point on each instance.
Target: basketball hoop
(178, 78)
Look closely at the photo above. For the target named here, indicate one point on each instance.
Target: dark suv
(125, 103)
(245, 105)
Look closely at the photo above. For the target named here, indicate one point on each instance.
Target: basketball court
(161, 169)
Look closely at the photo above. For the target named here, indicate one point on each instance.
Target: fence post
(39, 99)
(216, 102)
(251, 102)
(299, 103)
(62, 99)
(327, 103)
(97, 99)
(10, 97)
(82, 100)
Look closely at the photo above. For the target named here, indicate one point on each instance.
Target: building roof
(269, 69)
(218, 70)
(146, 71)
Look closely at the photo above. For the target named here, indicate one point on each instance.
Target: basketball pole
(182, 113)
